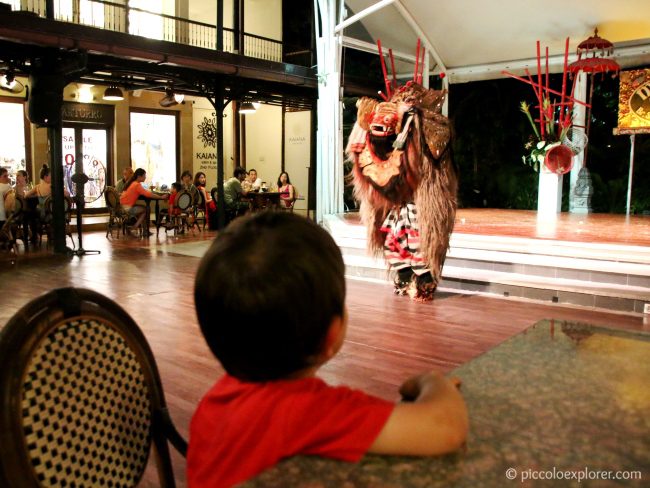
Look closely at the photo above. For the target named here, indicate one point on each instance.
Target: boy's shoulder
(296, 394)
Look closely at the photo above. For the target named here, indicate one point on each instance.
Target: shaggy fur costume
(402, 156)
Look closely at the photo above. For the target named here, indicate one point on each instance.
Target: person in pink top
(270, 300)
(132, 191)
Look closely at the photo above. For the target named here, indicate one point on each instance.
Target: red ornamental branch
(543, 92)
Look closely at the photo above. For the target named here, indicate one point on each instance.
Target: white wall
(264, 142)
(297, 152)
(263, 18)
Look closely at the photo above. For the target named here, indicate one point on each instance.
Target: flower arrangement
(537, 147)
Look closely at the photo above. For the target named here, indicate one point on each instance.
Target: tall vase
(549, 194)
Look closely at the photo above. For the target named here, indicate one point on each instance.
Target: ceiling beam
(368, 47)
(364, 13)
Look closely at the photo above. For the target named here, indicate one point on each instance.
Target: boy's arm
(434, 423)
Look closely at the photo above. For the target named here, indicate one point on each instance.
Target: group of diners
(132, 192)
(237, 190)
(35, 213)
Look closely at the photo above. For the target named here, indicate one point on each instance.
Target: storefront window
(153, 146)
(12, 137)
(93, 162)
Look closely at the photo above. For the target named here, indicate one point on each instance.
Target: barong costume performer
(406, 183)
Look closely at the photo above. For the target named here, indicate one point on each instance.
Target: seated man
(252, 182)
(127, 172)
(233, 193)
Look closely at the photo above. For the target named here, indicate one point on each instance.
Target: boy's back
(242, 428)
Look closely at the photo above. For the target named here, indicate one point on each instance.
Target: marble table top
(560, 400)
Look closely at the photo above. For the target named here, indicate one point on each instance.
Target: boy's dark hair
(266, 293)
(185, 173)
(177, 186)
(238, 172)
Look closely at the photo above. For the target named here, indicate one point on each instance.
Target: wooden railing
(140, 22)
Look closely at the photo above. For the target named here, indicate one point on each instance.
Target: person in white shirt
(5, 187)
(252, 182)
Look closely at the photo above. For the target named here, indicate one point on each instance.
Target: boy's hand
(432, 382)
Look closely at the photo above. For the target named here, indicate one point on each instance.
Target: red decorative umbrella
(592, 59)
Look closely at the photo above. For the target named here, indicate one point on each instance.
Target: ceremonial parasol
(592, 58)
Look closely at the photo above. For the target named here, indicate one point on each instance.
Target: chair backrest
(9, 201)
(200, 201)
(81, 396)
(19, 204)
(194, 191)
(184, 200)
(112, 198)
(67, 206)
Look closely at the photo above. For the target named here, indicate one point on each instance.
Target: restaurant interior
(543, 316)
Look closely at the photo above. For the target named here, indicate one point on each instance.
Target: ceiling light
(246, 108)
(84, 93)
(113, 93)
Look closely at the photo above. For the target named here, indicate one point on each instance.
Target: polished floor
(389, 337)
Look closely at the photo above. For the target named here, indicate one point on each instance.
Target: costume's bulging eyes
(384, 119)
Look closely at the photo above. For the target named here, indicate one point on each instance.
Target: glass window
(143, 23)
(91, 13)
(12, 137)
(153, 146)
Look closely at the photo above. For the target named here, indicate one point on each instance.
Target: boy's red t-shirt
(239, 429)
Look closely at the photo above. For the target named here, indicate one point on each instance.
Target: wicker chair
(12, 227)
(185, 204)
(47, 228)
(81, 397)
(200, 210)
(117, 218)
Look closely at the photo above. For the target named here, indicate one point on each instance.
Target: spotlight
(9, 83)
(170, 99)
(247, 108)
(113, 93)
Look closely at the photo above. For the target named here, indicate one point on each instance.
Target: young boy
(270, 299)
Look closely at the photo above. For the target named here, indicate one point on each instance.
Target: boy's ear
(334, 338)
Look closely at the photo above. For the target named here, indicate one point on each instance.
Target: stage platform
(599, 261)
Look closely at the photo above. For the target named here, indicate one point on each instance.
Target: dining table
(263, 200)
(560, 404)
(147, 203)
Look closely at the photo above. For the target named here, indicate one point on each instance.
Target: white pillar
(579, 119)
(329, 137)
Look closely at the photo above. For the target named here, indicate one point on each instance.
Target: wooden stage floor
(389, 337)
(601, 228)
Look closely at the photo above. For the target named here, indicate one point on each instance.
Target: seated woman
(22, 185)
(199, 183)
(132, 191)
(44, 187)
(286, 190)
(40, 191)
